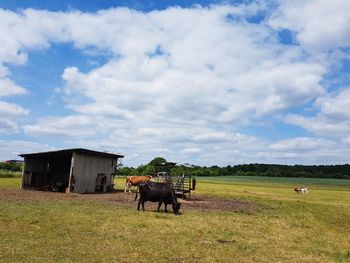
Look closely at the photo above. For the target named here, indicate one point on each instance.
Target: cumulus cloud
(301, 144)
(335, 106)
(10, 149)
(171, 74)
(184, 88)
(71, 126)
(191, 150)
(319, 24)
(333, 118)
(8, 88)
(347, 140)
(9, 112)
(11, 109)
(7, 126)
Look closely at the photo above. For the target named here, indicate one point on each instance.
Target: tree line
(11, 167)
(8, 169)
(272, 170)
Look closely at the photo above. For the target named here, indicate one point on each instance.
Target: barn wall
(35, 165)
(87, 167)
(33, 168)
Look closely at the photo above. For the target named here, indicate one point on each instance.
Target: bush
(9, 174)
(13, 167)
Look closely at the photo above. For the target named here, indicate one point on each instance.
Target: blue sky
(208, 82)
(93, 6)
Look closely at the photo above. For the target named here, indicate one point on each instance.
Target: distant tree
(158, 161)
(154, 166)
(149, 170)
(140, 169)
(12, 167)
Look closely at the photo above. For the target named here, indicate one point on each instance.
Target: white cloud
(70, 126)
(8, 88)
(211, 136)
(191, 150)
(347, 140)
(11, 109)
(245, 75)
(8, 126)
(301, 144)
(336, 107)
(319, 24)
(181, 88)
(321, 156)
(332, 120)
(10, 149)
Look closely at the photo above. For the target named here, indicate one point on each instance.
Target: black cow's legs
(141, 202)
(138, 205)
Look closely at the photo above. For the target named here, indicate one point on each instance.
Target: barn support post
(112, 184)
(23, 172)
(70, 173)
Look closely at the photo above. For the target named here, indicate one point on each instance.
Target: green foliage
(151, 168)
(271, 170)
(12, 167)
(158, 161)
(306, 171)
(127, 171)
(10, 170)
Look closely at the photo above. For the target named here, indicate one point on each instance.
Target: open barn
(71, 170)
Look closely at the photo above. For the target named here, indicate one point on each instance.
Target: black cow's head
(176, 208)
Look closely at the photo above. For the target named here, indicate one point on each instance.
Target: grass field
(291, 181)
(288, 228)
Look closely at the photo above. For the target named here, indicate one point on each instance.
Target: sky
(200, 82)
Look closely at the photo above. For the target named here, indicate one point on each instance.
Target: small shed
(71, 170)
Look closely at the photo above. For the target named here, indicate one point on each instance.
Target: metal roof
(70, 151)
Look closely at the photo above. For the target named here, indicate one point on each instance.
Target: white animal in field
(301, 190)
(305, 190)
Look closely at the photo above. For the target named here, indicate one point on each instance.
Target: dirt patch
(210, 203)
(199, 203)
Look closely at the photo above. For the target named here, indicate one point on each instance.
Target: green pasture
(291, 181)
(288, 228)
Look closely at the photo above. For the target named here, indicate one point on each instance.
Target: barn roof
(70, 151)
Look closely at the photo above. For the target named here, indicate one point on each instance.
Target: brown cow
(135, 180)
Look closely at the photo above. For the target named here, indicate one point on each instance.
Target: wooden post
(70, 173)
(23, 172)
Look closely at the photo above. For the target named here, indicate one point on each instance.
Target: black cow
(158, 192)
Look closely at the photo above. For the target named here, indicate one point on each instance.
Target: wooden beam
(23, 172)
(70, 173)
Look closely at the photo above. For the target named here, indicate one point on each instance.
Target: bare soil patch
(199, 203)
